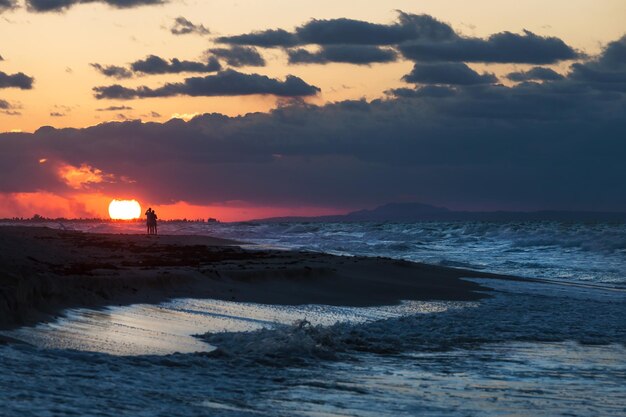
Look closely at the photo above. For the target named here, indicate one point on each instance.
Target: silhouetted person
(148, 214)
(151, 221)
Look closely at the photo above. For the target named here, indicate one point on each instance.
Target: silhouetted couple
(151, 221)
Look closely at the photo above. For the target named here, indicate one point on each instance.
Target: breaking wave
(519, 312)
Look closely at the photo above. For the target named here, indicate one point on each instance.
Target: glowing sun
(124, 209)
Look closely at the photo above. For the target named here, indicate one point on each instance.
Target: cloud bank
(555, 144)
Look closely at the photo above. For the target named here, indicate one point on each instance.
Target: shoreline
(44, 271)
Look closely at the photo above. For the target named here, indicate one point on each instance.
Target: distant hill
(407, 212)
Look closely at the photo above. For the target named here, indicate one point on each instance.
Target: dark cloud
(419, 37)
(6, 5)
(225, 83)
(266, 39)
(536, 73)
(115, 108)
(353, 54)
(56, 114)
(613, 56)
(425, 91)
(183, 26)
(9, 109)
(117, 91)
(455, 73)
(239, 56)
(608, 71)
(505, 47)
(156, 65)
(18, 80)
(61, 5)
(348, 32)
(153, 64)
(474, 148)
(113, 71)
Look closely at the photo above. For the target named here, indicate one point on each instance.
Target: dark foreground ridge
(43, 271)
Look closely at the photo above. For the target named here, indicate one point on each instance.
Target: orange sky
(95, 205)
(57, 48)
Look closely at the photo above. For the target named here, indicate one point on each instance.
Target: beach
(44, 271)
(296, 320)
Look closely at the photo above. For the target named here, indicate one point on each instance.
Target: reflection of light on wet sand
(169, 327)
(140, 329)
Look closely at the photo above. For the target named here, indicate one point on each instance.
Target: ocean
(531, 349)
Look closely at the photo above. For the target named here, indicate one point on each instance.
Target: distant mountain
(407, 212)
(398, 212)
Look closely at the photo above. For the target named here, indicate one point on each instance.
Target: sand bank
(43, 271)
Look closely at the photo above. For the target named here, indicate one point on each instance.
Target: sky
(248, 109)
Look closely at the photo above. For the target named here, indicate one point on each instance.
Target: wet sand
(43, 271)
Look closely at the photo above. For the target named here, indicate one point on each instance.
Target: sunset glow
(124, 209)
(210, 186)
(244, 112)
